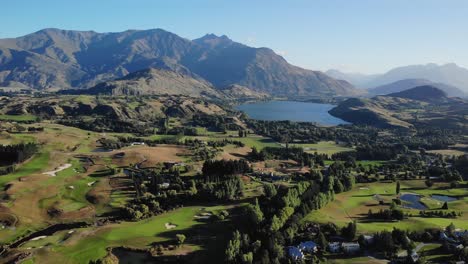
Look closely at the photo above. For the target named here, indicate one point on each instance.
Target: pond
(293, 111)
(443, 198)
(101, 150)
(412, 201)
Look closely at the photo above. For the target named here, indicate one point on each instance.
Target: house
(414, 256)
(137, 143)
(334, 247)
(164, 185)
(444, 236)
(295, 253)
(350, 248)
(308, 246)
(171, 164)
(460, 234)
(369, 239)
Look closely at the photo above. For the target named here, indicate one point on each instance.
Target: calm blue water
(293, 111)
(443, 198)
(413, 201)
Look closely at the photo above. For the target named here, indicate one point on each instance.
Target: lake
(293, 111)
(412, 201)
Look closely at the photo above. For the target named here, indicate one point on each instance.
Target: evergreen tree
(322, 241)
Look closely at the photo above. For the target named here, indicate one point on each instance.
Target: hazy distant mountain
(450, 74)
(406, 84)
(359, 80)
(54, 58)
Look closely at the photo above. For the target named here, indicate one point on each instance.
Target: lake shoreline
(296, 111)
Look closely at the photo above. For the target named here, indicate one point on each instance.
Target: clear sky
(367, 36)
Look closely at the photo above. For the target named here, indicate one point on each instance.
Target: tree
(193, 188)
(180, 239)
(269, 190)
(398, 187)
(349, 231)
(429, 183)
(247, 258)
(254, 213)
(322, 241)
(445, 206)
(233, 249)
(450, 229)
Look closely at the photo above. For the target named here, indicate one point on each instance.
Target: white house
(369, 239)
(351, 248)
(334, 247)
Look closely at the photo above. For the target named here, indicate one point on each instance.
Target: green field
(81, 248)
(18, 118)
(323, 147)
(355, 204)
(34, 165)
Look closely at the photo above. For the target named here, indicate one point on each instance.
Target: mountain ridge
(64, 59)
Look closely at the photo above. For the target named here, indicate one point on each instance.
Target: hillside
(153, 82)
(64, 59)
(241, 92)
(423, 106)
(406, 84)
(425, 93)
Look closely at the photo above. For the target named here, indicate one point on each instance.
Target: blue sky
(367, 36)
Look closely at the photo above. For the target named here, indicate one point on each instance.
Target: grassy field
(355, 204)
(34, 165)
(18, 118)
(356, 260)
(89, 244)
(448, 152)
(323, 147)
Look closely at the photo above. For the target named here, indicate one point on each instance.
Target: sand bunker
(170, 226)
(38, 238)
(59, 169)
(91, 183)
(203, 216)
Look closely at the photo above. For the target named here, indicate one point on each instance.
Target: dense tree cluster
(216, 169)
(13, 154)
(386, 214)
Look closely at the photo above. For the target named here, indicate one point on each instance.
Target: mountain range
(447, 74)
(55, 59)
(406, 84)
